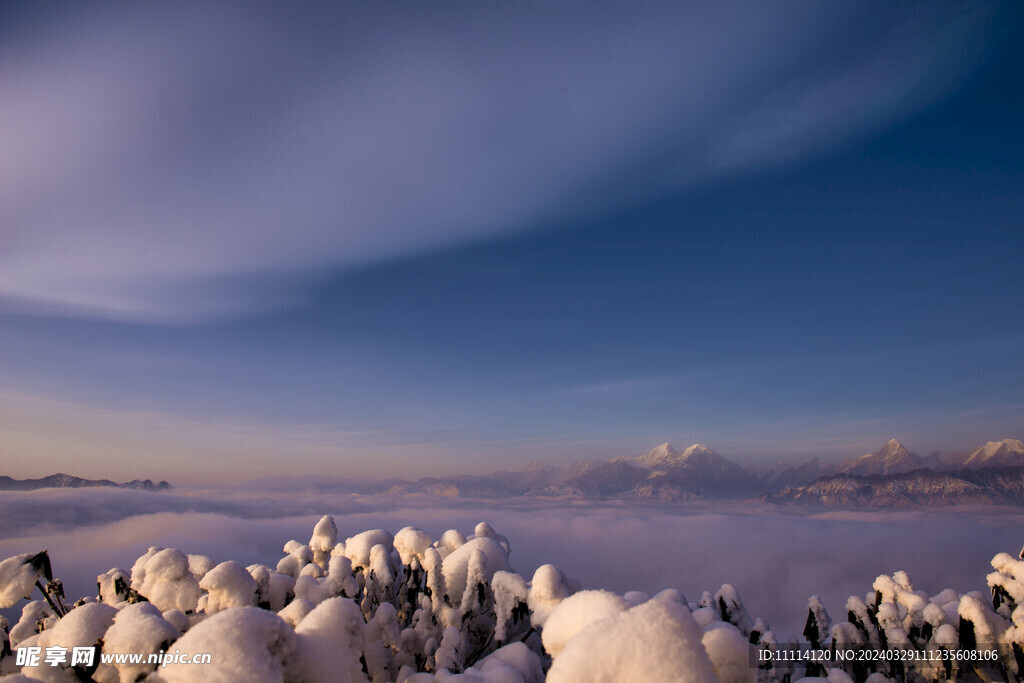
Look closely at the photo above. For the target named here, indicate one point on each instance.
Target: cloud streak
(189, 163)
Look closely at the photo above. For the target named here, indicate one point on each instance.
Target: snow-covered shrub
(228, 584)
(577, 612)
(729, 652)
(654, 641)
(164, 578)
(329, 643)
(18, 578)
(325, 537)
(244, 643)
(137, 628)
(548, 588)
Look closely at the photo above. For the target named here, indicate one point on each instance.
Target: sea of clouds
(775, 557)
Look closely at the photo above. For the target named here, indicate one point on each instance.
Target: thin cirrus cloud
(184, 164)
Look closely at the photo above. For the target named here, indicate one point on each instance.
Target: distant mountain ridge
(997, 453)
(892, 476)
(67, 481)
(919, 488)
(892, 458)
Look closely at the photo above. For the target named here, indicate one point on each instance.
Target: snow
(308, 588)
(635, 597)
(137, 628)
(245, 644)
(510, 591)
(382, 640)
(17, 579)
(229, 584)
(313, 570)
(419, 612)
(329, 642)
(83, 626)
(272, 589)
(456, 566)
(485, 530)
(340, 580)
(706, 615)
(729, 652)
(988, 626)
(358, 547)
(577, 612)
(199, 565)
(450, 540)
(296, 611)
(433, 563)
(108, 582)
(1005, 452)
(818, 624)
(411, 543)
(655, 641)
(298, 556)
(514, 663)
(380, 567)
(548, 588)
(732, 608)
(164, 578)
(1009, 576)
(519, 657)
(177, 619)
(325, 537)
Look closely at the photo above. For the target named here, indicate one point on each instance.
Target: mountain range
(67, 481)
(892, 476)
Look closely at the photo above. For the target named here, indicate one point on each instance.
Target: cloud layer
(775, 558)
(183, 163)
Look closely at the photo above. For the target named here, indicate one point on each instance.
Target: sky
(250, 240)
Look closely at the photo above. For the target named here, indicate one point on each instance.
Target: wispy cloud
(187, 163)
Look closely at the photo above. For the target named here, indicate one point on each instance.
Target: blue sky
(399, 239)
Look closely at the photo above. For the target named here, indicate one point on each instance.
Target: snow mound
(358, 547)
(515, 663)
(577, 612)
(411, 543)
(164, 578)
(729, 652)
(245, 644)
(137, 628)
(229, 584)
(17, 579)
(548, 588)
(656, 641)
(329, 642)
(455, 567)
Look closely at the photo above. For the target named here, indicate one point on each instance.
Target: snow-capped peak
(666, 456)
(892, 447)
(891, 458)
(660, 455)
(1005, 452)
(697, 449)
